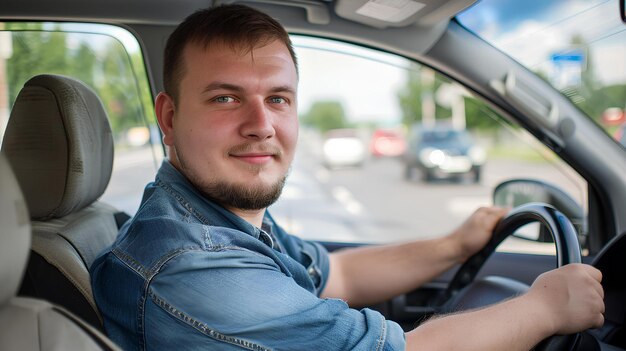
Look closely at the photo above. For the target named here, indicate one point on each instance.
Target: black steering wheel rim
(558, 225)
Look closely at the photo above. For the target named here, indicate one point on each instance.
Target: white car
(343, 148)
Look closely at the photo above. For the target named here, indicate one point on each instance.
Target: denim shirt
(187, 274)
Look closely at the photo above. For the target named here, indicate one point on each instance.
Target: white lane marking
(346, 199)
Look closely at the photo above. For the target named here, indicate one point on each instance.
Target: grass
(524, 154)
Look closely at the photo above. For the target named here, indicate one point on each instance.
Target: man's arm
(368, 275)
(562, 301)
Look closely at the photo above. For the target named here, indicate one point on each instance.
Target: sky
(365, 82)
(486, 15)
(532, 31)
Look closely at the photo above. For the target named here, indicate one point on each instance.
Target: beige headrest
(14, 234)
(59, 143)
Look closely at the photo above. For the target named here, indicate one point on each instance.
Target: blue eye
(277, 100)
(223, 99)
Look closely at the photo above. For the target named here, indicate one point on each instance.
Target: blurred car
(387, 143)
(443, 152)
(343, 148)
(613, 116)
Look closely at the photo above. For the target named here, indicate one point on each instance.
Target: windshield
(579, 46)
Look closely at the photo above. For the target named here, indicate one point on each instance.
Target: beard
(234, 195)
(242, 197)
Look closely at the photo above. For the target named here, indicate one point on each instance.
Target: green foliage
(591, 96)
(479, 115)
(410, 98)
(34, 52)
(595, 102)
(325, 115)
(99, 61)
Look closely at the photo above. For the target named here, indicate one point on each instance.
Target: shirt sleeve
(237, 299)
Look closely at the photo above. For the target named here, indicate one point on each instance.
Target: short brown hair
(239, 26)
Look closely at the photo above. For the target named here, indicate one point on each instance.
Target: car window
(108, 60)
(443, 151)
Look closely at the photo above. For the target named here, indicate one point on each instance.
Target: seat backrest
(25, 323)
(59, 144)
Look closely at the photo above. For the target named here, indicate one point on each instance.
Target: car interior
(29, 323)
(61, 142)
(70, 227)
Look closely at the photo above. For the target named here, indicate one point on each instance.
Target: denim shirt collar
(208, 211)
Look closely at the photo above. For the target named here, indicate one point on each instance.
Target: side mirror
(622, 10)
(516, 192)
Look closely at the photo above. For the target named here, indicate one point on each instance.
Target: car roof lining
(429, 12)
(424, 28)
(155, 25)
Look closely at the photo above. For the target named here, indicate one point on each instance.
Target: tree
(326, 115)
(34, 52)
(591, 96)
(118, 88)
(479, 115)
(84, 61)
(99, 61)
(417, 92)
(412, 96)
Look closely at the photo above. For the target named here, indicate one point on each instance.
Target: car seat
(59, 144)
(26, 323)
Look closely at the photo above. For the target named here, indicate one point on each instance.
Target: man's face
(235, 126)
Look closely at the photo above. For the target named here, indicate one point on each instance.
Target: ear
(165, 110)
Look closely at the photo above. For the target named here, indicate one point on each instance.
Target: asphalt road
(373, 203)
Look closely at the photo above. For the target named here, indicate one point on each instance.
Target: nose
(257, 122)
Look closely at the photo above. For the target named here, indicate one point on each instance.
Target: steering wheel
(463, 288)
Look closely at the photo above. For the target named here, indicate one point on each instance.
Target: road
(376, 204)
(369, 204)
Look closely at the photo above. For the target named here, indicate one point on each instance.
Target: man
(202, 265)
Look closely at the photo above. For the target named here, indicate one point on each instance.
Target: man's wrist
(454, 247)
(543, 318)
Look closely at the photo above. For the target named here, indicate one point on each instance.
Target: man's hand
(562, 301)
(369, 275)
(476, 231)
(571, 296)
